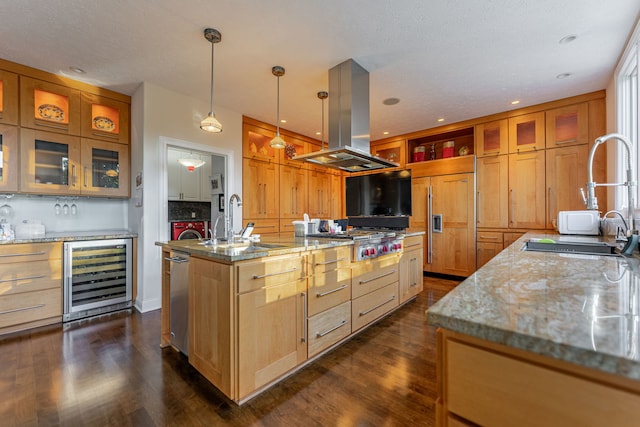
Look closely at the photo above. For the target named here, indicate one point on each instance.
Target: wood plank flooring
(111, 372)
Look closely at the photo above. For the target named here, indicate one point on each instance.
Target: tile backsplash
(189, 211)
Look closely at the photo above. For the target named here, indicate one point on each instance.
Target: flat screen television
(379, 194)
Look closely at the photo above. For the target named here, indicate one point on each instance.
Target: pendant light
(277, 141)
(191, 163)
(322, 95)
(210, 123)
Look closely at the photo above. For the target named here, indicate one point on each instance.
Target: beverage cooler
(97, 277)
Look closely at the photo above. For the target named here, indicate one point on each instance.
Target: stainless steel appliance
(368, 244)
(179, 300)
(97, 277)
(181, 230)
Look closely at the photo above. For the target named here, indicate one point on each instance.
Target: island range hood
(348, 123)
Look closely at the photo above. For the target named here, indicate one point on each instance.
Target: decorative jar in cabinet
(8, 98)
(105, 169)
(49, 106)
(9, 151)
(50, 163)
(526, 132)
(104, 118)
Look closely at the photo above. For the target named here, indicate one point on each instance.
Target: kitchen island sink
(577, 247)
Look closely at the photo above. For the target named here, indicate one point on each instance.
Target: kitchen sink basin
(587, 248)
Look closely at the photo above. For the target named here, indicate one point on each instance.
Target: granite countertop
(69, 236)
(266, 246)
(583, 309)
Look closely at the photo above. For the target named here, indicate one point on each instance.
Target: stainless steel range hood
(348, 123)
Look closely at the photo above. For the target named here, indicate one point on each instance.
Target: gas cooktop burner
(356, 234)
(368, 243)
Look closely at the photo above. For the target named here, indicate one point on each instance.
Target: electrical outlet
(193, 214)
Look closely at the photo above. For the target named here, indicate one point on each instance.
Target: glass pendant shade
(211, 124)
(191, 163)
(277, 142)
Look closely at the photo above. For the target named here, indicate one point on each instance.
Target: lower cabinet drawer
(371, 275)
(371, 306)
(329, 327)
(30, 306)
(329, 289)
(30, 276)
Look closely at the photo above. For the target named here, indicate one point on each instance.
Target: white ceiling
(455, 59)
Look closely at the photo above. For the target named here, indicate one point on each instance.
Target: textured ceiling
(452, 59)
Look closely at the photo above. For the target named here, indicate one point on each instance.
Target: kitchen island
(258, 312)
(540, 338)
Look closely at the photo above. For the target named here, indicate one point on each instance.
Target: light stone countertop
(582, 309)
(69, 236)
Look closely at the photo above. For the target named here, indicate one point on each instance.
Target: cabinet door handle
(262, 276)
(33, 307)
(25, 254)
(264, 198)
(479, 208)
(304, 317)
(40, 276)
(328, 331)
(389, 273)
(511, 197)
(412, 246)
(73, 175)
(324, 294)
(48, 125)
(106, 135)
(412, 269)
(551, 218)
(363, 313)
(86, 177)
(331, 262)
(566, 141)
(429, 227)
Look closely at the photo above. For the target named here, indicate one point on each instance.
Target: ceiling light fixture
(77, 70)
(515, 102)
(191, 163)
(277, 141)
(568, 39)
(441, 119)
(210, 123)
(563, 75)
(322, 95)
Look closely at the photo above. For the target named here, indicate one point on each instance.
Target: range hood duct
(348, 123)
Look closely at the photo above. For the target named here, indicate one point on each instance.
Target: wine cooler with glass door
(97, 277)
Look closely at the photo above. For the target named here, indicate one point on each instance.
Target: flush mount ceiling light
(277, 141)
(210, 123)
(322, 95)
(563, 75)
(191, 163)
(568, 39)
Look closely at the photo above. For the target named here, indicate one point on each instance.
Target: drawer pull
(27, 254)
(40, 276)
(33, 307)
(262, 276)
(377, 277)
(107, 135)
(322, 294)
(363, 313)
(338, 326)
(331, 262)
(488, 237)
(47, 125)
(176, 259)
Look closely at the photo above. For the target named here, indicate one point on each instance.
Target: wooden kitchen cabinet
(330, 282)
(105, 169)
(294, 146)
(492, 198)
(410, 273)
(260, 189)
(567, 125)
(50, 163)
(527, 195)
(452, 225)
(492, 138)
(527, 132)
(489, 244)
(104, 118)
(336, 196)
(48, 106)
(293, 192)
(8, 98)
(394, 151)
(31, 277)
(10, 163)
(320, 193)
(256, 137)
(566, 173)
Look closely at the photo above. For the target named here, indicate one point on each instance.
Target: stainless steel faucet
(591, 200)
(230, 215)
(214, 232)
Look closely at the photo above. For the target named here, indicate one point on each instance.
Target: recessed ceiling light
(386, 132)
(391, 101)
(568, 39)
(318, 133)
(283, 121)
(515, 102)
(77, 70)
(441, 119)
(563, 75)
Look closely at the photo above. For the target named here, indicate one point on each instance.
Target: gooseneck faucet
(592, 200)
(230, 214)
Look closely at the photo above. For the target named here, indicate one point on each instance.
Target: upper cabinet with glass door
(527, 133)
(255, 141)
(8, 158)
(105, 169)
(8, 98)
(49, 106)
(104, 118)
(492, 138)
(568, 125)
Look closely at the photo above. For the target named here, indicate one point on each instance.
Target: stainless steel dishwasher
(179, 300)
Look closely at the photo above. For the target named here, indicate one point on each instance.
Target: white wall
(161, 117)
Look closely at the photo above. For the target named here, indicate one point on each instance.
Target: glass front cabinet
(104, 118)
(48, 106)
(68, 165)
(8, 158)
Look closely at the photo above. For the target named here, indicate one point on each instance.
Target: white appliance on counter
(585, 222)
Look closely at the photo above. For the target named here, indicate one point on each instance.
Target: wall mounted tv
(379, 194)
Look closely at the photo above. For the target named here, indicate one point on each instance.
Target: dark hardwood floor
(111, 371)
